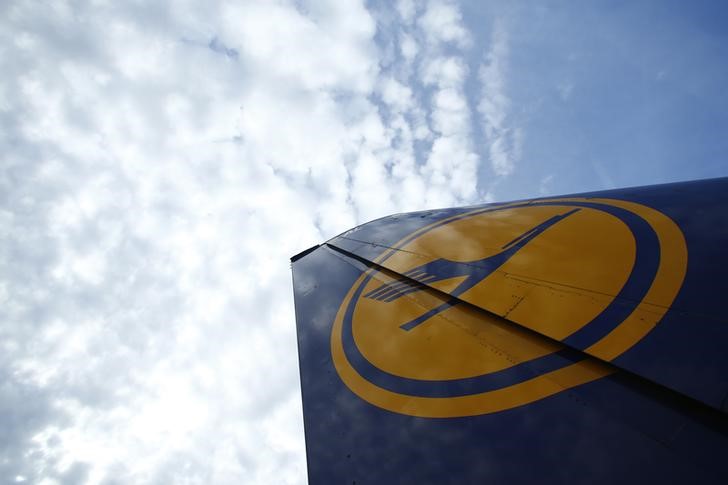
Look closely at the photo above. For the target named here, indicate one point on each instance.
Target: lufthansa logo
(591, 274)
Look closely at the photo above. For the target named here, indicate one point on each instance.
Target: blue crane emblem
(440, 269)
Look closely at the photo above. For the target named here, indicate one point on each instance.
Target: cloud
(407, 10)
(442, 23)
(505, 140)
(451, 164)
(220, 48)
(161, 163)
(544, 187)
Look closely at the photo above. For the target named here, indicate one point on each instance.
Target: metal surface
(579, 338)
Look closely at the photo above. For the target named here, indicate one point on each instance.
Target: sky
(161, 162)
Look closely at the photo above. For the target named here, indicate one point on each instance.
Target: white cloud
(544, 187)
(505, 141)
(161, 163)
(451, 167)
(396, 94)
(442, 23)
(408, 47)
(407, 9)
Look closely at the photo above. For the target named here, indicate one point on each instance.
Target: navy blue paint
(607, 431)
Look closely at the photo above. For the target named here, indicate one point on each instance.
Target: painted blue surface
(652, 423)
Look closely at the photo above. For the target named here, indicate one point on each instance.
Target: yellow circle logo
(590, 274)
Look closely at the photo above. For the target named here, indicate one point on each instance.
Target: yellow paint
(444, 347)
(554, 285)
(589, 250)
(476, 404)
(664, 289)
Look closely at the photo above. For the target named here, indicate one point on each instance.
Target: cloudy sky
(162, 161)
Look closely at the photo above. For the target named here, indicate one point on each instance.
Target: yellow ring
(662, 292)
